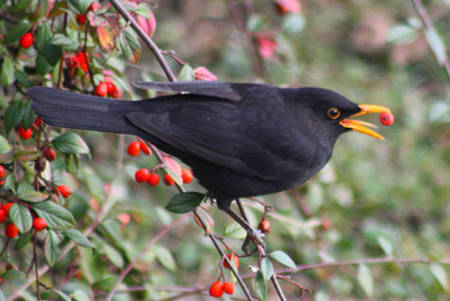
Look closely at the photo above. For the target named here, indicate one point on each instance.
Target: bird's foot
(255, 236)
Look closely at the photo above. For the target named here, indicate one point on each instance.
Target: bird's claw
(258, 239)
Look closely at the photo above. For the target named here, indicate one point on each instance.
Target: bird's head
(329, 114)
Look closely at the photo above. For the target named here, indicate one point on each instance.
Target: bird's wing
(205, 88)
(213, 133)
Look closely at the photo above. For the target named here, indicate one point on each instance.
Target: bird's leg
(253, 234)
(246, 244)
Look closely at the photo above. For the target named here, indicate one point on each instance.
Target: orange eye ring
(333, 113)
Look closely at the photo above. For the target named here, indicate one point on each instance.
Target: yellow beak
(361, 126)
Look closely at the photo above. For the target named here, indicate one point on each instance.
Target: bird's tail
(79, 111)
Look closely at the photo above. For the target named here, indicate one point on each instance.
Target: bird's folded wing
(202, 132)
(205, 88)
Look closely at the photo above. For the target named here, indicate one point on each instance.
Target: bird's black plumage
(240, 139)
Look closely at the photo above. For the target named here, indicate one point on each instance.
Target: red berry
(117, 93)
(6, 207)
(101, 89)
(142, 175)
(234, 258)
(228, 287)
(153, 179)
(145, 149)
(287, 6)
(49, 154)
(186, 175)
(37, 122)
(64, 190)
(2, 215)
(111, 88)
(39, 223)
(134, 148)
(94, 6)
(326, 224)
(216, 289)
(25, 133)
(386, 118)
(81, 19)
(264, 226)
(82, 56)
(74, 62)
(26, 41)
(168, 180)
(2, 171)
(11, 230)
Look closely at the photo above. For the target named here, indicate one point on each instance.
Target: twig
(9, 18)
(147, 40)
(426, 21)
(146, 249)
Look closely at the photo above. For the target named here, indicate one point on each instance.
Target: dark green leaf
(21, 217)
(7, 73)
(28, 115)
(22, 78)
(80, 5)
(19, 6)
(185, 202)
(266, 268)
(4, 145)
(33, 196)
(14, 277)
(260, 286)
(16, 32)
(13, 115)
(23, 240)
(70, 143)
(62, 295)
(42, 66)
(283, 258)
(65, 42)
(124, 47)
(46, 49)
(51, 249)
(134, 44)
(78, 238)
(72, 164)
(57, 217)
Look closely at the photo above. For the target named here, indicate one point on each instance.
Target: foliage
(374, 199)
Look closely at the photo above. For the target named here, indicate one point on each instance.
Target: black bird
(240, 139)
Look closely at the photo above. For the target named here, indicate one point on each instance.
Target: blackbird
(240, 139)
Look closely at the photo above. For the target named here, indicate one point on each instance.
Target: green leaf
(78, 238)
(16, 32)
(65, 42)
(61, 294)
(235, 230)
(80, 5)
(80, 295)
(113, 255)
(14, 277)
(293, 23)
(402, 34)
(23, 240)
(27, 193)
(386, 245)
(260, 286)
(283, 258)
(186, 73)
(13, 115)
(51, 249)
(7, 73)
(266, 268)
(439, 273)
(19, 6)
(185, 202)
(42, 66)
(436, 44)
(165, 258)
(70, 143)
(4, 145)
(133, 41)
(28, 115)
(46, 49)
(143, 11)
(256, 23)
(22, 78)
(21, 217)
(365, 279)
(57, 217)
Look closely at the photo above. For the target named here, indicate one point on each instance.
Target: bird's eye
(334, 113)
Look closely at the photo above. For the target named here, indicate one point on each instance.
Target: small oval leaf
(185, 202)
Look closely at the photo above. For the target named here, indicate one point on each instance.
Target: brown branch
(426, 21)
(9, 18)
(146, 249)
(147, 40)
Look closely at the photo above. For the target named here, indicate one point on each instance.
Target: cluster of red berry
(151, 177)
(11, 229)
(218, 287)
(26, 134)
(80, 60)
(107, 88)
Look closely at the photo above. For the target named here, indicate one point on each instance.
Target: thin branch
(426, 21)
(9, 18)
(147, 40)
(146, 249)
